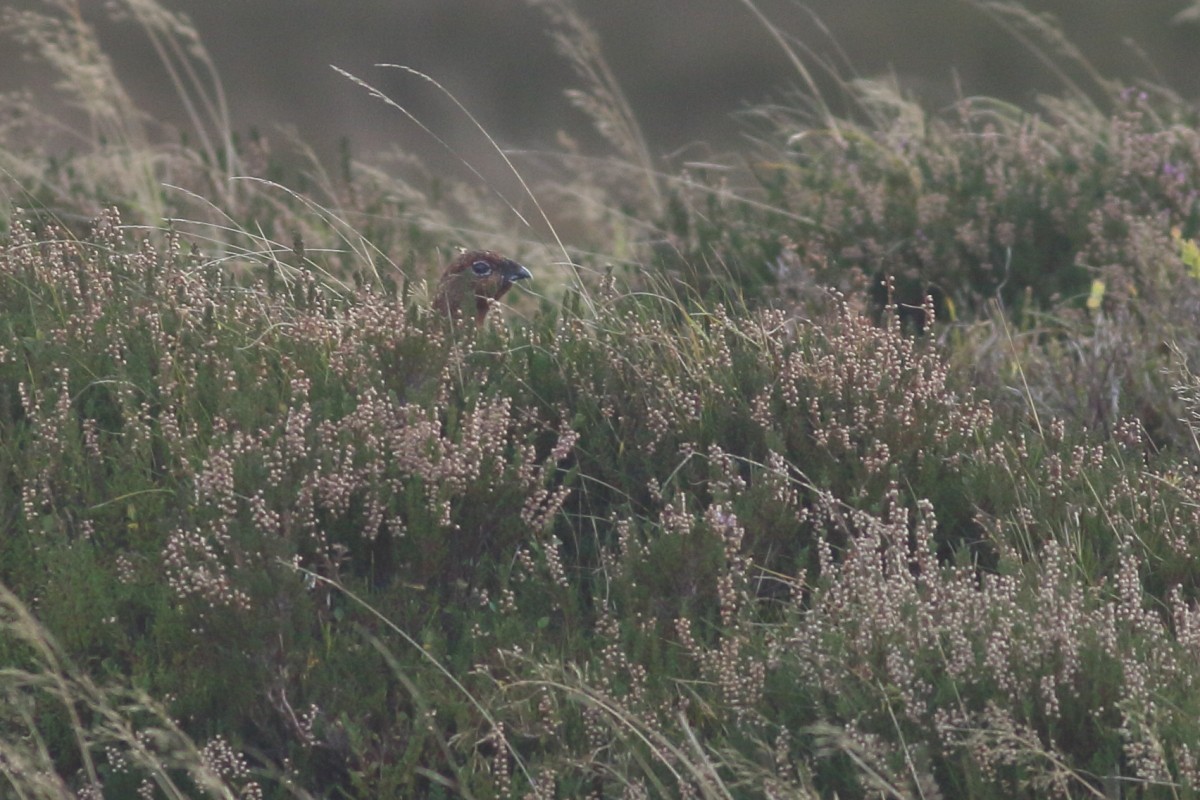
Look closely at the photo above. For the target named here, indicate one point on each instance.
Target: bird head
(474, 280)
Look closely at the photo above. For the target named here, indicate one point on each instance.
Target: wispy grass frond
(601, 96)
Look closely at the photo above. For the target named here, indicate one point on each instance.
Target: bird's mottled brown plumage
(473, 281)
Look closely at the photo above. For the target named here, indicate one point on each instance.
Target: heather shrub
(172, 461)
(659, 544)
(978, 202)
(847, 642)
(1058, 243)
(793, 571)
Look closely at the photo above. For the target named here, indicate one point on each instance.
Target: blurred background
(686, 68)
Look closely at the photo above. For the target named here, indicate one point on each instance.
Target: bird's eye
(481, 268)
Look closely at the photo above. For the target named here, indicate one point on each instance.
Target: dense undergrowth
(753, 521)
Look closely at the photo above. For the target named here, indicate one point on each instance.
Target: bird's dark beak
(515, 272)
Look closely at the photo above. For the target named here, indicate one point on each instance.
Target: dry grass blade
(602, 98)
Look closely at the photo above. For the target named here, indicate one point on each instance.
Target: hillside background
(687, 74)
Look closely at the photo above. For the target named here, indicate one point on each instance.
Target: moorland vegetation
(862, 463)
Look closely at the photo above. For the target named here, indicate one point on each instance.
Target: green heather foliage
(657, 549)
(867, 468)
(988, 200)
(1061, 242)
(976, 202)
